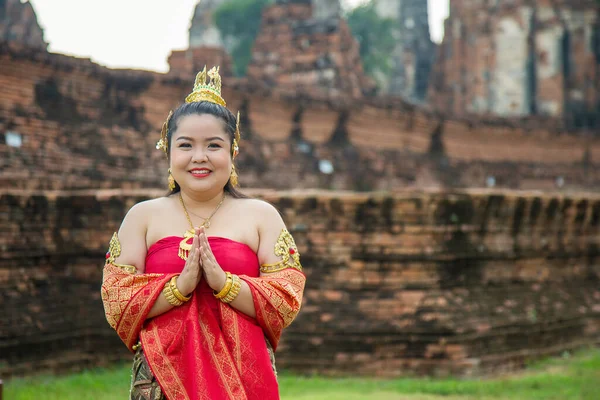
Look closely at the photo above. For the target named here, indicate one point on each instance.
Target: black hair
(200, 108)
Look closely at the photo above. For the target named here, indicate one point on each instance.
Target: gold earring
(171, 181)
(233, 178)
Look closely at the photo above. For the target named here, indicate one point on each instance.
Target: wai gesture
(192, 271)
(214, 274)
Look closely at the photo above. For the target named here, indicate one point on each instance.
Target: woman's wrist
(180, 296)
(221, 289)
(230, 289)
(182, 287)
(219, 284)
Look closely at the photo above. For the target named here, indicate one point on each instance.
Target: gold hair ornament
(236, 139)
(163, 144)
(207, 91)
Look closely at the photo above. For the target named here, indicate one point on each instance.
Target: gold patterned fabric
(277, 300)
(127, 299)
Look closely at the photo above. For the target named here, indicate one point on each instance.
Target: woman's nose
(200, 155)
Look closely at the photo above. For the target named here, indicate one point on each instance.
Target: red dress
(204, 349)
(251, 362)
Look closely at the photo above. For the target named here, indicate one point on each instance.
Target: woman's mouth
(200, 173)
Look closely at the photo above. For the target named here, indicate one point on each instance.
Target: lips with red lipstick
(200, 172)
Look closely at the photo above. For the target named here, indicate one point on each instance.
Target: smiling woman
(199, 284)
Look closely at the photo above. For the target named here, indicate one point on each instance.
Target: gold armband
(114, 251)
(285, 247)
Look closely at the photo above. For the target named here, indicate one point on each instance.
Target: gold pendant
(184, 246)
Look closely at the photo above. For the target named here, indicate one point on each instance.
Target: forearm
(161, 306)
(244, 301)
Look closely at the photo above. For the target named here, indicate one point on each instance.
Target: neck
(201, 201)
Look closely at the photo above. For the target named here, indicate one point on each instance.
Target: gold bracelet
(226, 288)
(176, 292)
(235, 290)
(170, 296)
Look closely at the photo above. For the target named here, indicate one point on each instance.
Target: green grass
(569, 377)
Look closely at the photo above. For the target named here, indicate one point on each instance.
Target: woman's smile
(200, 172)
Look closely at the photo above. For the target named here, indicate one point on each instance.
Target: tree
(375, 36)
(239, 23)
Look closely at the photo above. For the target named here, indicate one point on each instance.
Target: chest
(231, 225)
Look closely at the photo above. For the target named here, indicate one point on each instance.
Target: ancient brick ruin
(303, 50)
(414, 53)
(419, 283)
(518, 58)
(422, 273)
(206, 45)
(203, 31)
(90, 127)
(18, 23)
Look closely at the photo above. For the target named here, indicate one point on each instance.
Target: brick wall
(417, 282)
(520, 58)
(88, 127)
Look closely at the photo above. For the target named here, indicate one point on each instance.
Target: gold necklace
(196, 215)
(185, 245)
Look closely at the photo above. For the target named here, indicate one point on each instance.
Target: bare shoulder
(262, 212)
(132, 233)
(270, 227)
(141, 216)
(142, 211)
(259, 205)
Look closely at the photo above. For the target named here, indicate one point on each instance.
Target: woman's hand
(214, 274)
(192, 272)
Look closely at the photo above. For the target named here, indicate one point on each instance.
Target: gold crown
(207, 91)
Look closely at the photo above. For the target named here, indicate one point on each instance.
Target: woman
(200, 283)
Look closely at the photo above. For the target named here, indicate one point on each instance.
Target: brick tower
(305, 47)
(413, 55)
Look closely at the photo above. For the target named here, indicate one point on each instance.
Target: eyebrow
(206, 140)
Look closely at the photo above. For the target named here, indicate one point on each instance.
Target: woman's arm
(132, 238)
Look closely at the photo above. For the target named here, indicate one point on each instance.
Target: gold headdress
(203, 91)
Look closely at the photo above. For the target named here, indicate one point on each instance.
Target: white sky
(139, 33)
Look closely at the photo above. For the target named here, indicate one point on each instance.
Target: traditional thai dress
(203, 349)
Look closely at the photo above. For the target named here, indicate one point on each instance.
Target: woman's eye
(184, 145)
(214, 145)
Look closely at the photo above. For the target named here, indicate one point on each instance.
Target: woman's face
(200, 153)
